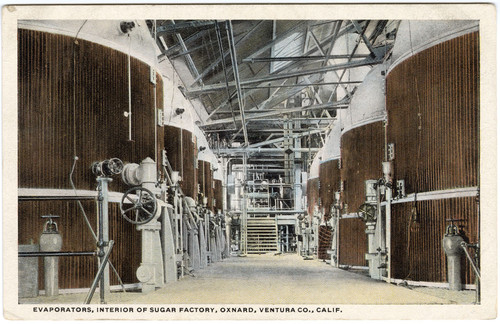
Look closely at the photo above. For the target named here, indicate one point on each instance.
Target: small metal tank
(51, 241)
(453, 250)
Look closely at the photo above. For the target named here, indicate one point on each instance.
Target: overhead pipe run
(341, 104)
(239, 150)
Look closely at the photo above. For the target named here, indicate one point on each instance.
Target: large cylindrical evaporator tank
(329, 184)
(433, 114)
(362, 151)
(181, 147)
(73, 99)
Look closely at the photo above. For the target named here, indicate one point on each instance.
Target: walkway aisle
(282, 279)
(273, 279)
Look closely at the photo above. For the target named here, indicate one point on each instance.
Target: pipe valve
(107, 168)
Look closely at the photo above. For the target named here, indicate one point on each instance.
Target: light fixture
(179, 111)
(201, 148)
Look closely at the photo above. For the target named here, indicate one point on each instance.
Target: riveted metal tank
(433, 113)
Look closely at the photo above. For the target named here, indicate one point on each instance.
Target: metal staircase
(262, 235)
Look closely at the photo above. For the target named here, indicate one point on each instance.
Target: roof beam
(299, 84)
(239, 150)
(342, 104)
(229, 95)
(348, 65)
(212, 66)
(361, 31)
(318, 45)
(281, 139)
(349, 60)
(177, 47)
(344, 30)
(191, 50)
(277, 39)
(189, 59)
(176, 28)
(299, 58)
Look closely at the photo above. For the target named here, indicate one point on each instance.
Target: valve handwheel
(143, 208)
(367, 212)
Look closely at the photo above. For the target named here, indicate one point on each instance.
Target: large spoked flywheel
(138, 205)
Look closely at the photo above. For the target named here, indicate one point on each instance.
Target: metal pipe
(55, 254)
(237, 78)
(268, 170)
(230, 151)
(341, 104)
(301, 84)
(281, 139)
(129, 91)
(472, 263)
(23, 198)
(87, 222)
(270, 211)
(302, 120)
(99, 273)
(105, 226)
(299, 58)
(100, 242)
(222, 57)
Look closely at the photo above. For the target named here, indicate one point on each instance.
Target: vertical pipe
(163, 238)
(182, 150)
(287, 243)
(244, 206)
(337, 248)
(157, 158)
(388, 196)
(100, 242)
(105, 229)
(129, 92)
(237, 79)
(104, 259)
(103, 236)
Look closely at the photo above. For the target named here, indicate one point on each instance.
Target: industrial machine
(177, 234)
(376, 215)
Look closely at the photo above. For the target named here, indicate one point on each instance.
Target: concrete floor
(275, 279)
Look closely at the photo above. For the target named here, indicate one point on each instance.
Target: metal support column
(103, 234)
